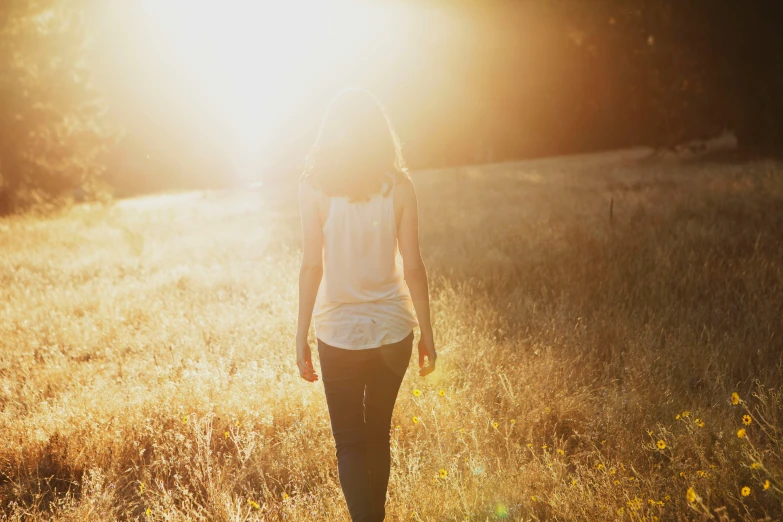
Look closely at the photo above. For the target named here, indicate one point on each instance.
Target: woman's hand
(426, 349)
(304, 362)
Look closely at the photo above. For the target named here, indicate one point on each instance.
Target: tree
(51, 136)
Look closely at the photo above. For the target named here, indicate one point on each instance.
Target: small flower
(442, 393)
(533, 498)
(683, 474)
(236, 423)
(620, 511)
(547, 410)
(443, 473)
(766, 485)
(612, 471)
(745, 491)
(616, 482)
(741, 433)
(285, 496)
(495, 424)
(661, 444)
(677, 417)
(573, 482)
(513, 421)
(599, 466)
(746, 420)
(735, 399)
(544, 447)
(690, 495)
(148, 511)
(225, 435)
(415, 419)
(560, 451)
(185, 419)
(142, 487)
(686, 413)
(699, 423)
(701, 473)
(253, 504)
(755, 465)
(416, 392)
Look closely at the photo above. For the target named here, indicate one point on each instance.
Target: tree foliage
(51, 136)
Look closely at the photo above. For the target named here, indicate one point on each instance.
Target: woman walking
(359, 210)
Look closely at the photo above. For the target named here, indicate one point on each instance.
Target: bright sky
(253, 63)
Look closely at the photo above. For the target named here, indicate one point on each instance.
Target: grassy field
(586, 371)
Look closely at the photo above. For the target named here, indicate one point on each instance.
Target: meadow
(610, 336)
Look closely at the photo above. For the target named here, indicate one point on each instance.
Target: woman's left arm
(310, 275)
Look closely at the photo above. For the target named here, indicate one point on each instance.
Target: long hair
(356, 150)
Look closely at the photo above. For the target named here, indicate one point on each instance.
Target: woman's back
(363, 301)
(360, 251)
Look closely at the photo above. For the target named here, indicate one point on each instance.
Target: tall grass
(586, 372)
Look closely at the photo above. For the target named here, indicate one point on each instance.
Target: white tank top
(363, 301)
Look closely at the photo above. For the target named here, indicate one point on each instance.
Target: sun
(257, 63)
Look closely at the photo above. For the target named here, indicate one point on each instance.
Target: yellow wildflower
(416, 392)
(683, 474)
(755, 465)
(533, 498)
(661, 444)
(741, 433)
(599, 466)
(185, 419)
(443, 473)
(701, 473)
(560, 451)
(616, 482)
(612, 471)
(148, 512)
(415, 419)
(573, 482)
(746, 420)
(686, 413)
(766, 485)
(691, 495)
(442, 393)
(225, 435)
(285, 496)
(735, 399)
(620, 511)
(745, 491)
(513, 421)
(495, 424)
(253, 504)
(141, 488)
(699, 423)
(677, 417)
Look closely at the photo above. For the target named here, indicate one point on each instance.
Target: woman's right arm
(415, 273)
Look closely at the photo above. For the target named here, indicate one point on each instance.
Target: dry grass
(147, 362)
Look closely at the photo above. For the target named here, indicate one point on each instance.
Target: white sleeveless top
(363, 301)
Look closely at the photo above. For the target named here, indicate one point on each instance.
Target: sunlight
(255, 64)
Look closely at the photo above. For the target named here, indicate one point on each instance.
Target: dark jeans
(361, 387)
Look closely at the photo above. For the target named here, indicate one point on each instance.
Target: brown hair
(356, 150)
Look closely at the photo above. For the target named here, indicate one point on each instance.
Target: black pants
(361, 388)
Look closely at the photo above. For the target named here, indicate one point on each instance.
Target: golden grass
(147, 359)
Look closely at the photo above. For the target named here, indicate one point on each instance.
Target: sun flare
(256, 65)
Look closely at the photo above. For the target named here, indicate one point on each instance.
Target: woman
(358, 210)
